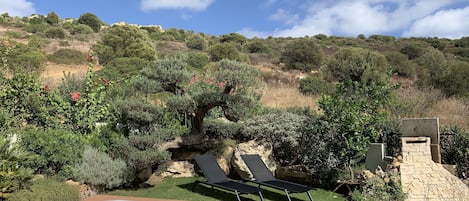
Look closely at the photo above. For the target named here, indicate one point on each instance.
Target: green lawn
(180, 189)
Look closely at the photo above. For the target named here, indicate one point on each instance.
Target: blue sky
(278, 18)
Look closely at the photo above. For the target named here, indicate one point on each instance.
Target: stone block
(436, 153)
(374, 156)
(426, 127)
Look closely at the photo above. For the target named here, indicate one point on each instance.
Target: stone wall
(422, 179)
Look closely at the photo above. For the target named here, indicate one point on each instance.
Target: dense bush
(456, 81)
(234, 38)
(47, 189)
(123, 67)
(55, 32)
(23, 58)
(80, 29)
(90, 20)
(221, 51)
(99, 170)
(53, 151)
(284, 130)
(315, 85)
(256, 46)
(400, 64)
(67, 56)
(124, 41)
(378, 188)
(13, 177)
(37, 42)
(412, 51)
(222, 129)
(303, 54)
(52, 18)
(196, 42)
(197, 59)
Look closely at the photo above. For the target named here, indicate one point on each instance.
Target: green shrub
(284, 130)
(197, 59)
(64, 43)
(26, 59)
(37, 42)
(12, 176)
(462, 156)
(377, 188)
(123, 67)
(67, 56)
(90, 20)
(52, 18)
(221, 51)
(314, 85)
(412, 51)
(99, 170)
(53, 151)
(222, 129)
(55, 32)
(196, 42)
(47, 189)
(256, 46)
(302, 54)
(400, 64)
(80, 29)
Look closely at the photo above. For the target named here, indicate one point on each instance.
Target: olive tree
(124, 41)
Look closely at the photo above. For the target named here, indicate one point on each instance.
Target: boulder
(224, 160)
(263, 149)
(177, 169)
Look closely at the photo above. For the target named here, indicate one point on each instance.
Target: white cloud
(353, 17)
(452, 24)
(17, 7)
(197, 5)
(248, 32)
(285, 17)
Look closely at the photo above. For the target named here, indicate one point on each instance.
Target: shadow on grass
(221, 194)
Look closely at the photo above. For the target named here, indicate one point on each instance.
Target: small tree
(221, 51)
(91, 20)
(124, 41)
(52, 18)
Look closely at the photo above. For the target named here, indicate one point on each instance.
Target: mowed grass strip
(180, 189)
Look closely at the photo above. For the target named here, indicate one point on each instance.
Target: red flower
(221, 84)
(105, 81)
(75, 96)
(47, 88)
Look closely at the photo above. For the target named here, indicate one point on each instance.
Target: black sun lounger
(263, 176)
(216, 177)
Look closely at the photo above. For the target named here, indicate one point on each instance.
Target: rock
(177, 169)
(367, 174)
(224, 160)
(154, 180)
(84, 190)
(252, 147)
(171, 144)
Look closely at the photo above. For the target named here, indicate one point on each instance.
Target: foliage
(99, 170)
(197, 59)
(136, 115)
(315, 85)
(463, 42)
(412, 51)
(67, 56)
(36, 42)
(377, 188)
(122, 68)
(235, 38)
(435, 68)
(52, 18)
(303, 54)
(400, 64)
(27, 102)
(256, 46)
(47, 189)
(456, 81)
(352, 118)
(459, 148)
(124, 41)
(221, 51)
(196, 42)
(222, 129)
(356, 65)
(140, 153)
(26, 59)
(80, 29)
(53, 151)
(285, 131)
(90, 20)
(13, 177)
(55, 32)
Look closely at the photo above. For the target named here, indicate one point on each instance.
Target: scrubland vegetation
(320, 100)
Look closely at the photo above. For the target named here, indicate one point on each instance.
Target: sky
(276, 18)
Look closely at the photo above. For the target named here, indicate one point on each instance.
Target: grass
(180, 189)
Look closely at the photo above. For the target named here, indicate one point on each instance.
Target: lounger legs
(309, 196)
(288, 196)
(195, 183)
(237, 195)
(260, 195)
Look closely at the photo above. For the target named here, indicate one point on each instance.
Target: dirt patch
(121, 198)
(53, 73)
